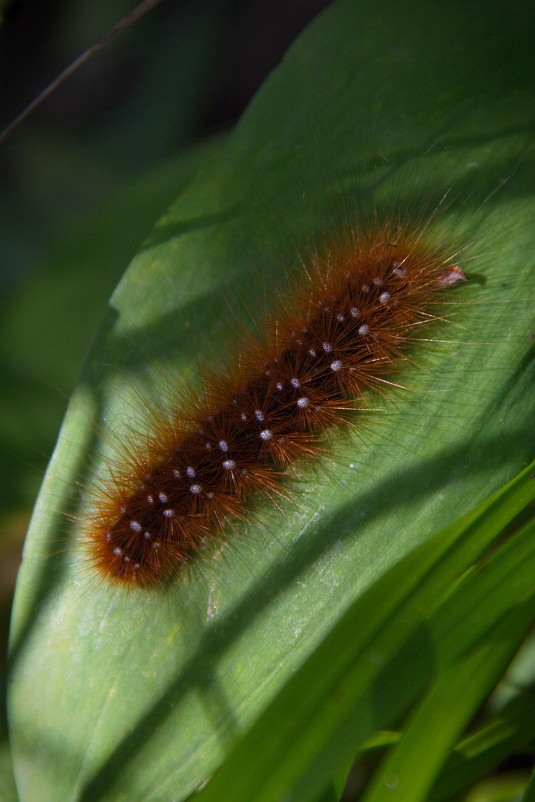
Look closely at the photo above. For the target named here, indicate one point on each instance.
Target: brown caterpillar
(333, 339)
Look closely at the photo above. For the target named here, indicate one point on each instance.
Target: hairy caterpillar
(353, 315)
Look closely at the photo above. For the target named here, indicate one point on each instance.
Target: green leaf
(529, 793)
(142, 696)
(395, 640)
(448, 707)
(507, 731)
(8, 791)
(38, 372)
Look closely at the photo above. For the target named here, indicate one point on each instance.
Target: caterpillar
(341, 328)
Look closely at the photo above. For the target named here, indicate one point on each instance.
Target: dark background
(185, 70)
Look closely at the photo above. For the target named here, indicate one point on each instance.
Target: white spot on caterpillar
(340, 318)
(223, 445)
(259, 415)
(229, 465)
(117, 551)
(156, 544)
(450, 278)
(295, 382)
(384, 297)
(146, 535)
(354, 312)
(364, 329)
(190, 472)
(150, 499)
(176, 473)
(378, 281)
(266, 434)
(303, 402)
(169, 513)
(243, 416)
(195, 489)
(312, 352)
(279, 385)
(162, 497)
(135, 527)
(337, 364)
(327, 347)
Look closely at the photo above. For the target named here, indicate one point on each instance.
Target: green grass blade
(381, 638)
(447, 709)
(8, 791)
(529, 793)
(483, 750)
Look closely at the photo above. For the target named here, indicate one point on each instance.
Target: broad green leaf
(142, 696)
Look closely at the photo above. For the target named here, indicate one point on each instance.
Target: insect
(348, 321)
